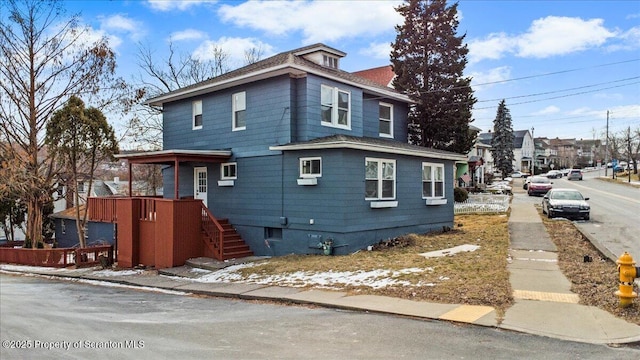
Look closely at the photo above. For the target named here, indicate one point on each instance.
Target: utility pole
(606, 148)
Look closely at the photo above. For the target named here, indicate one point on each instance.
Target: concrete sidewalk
(544, 304)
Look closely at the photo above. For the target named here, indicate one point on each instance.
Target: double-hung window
(310, 167)
(336, 107)
(197, 114)
(380, 179)
(228, 171)
(239, 109)
(385, 113)
(432, 180)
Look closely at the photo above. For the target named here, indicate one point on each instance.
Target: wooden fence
(58, 257)
(482, 203)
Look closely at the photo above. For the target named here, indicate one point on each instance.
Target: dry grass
(595, 282)
(476, 278)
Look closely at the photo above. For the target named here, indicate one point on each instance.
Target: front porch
(164, 233)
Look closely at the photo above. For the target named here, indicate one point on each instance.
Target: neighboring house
(566, 152)
(298, 154)
(66, 233)
(382, 75)
(523, 150)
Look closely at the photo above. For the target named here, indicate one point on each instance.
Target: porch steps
(234, 247)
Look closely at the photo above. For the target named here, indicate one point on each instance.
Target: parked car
(519, 174)
(539, 185)
(565, 172)
(526, 183)
(566, 203)
(575, 174)
(554, 174)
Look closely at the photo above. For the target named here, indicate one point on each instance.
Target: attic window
(330, 61)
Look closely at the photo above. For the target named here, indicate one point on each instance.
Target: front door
(200, 184)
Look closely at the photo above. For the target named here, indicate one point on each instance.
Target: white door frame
(200, 183)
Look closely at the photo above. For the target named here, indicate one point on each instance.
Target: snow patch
(451, 251)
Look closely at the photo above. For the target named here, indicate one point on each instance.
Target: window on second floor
(197, 114)
(81, 187)
(310, 167)
(386, 120)
(380, 179)
(239, 109)
(330, 61)
(228, 171)
(336, 107)
(432, 180)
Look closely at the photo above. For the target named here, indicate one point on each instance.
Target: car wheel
(549, 215)
(544, 212)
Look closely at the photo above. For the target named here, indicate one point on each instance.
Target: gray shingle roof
(281, 60)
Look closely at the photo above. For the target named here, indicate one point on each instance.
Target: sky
(559, 65)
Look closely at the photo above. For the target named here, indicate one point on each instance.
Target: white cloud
(493, 47)
(122, 24)
(483, 80)
(377, 51)
(319, 21)
(171, 5)
(187, 34)
(233, 47)
(555, 35)
(547, 111)
(546, 37)
(629, 40)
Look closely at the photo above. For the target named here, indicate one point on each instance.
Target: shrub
(460, 194)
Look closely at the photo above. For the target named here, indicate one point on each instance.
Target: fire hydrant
(627, 272)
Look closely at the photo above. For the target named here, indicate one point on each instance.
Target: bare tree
(253, 55)
(46, 57)
(162, 75)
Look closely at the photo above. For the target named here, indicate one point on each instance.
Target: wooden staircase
(221, 238)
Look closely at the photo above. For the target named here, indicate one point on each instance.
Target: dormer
(322, 55)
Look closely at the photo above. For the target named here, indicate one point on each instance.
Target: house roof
(370, 144)
(69, 213)
(382, 75)
(518, 138)
(291, 63)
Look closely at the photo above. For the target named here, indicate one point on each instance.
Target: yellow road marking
(546, 296)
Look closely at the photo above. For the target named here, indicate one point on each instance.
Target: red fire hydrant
(627, 272)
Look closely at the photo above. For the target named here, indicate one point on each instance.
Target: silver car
(566, 203)
(574, 174)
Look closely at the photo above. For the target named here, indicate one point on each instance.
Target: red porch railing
(102, 209)
(214, 233)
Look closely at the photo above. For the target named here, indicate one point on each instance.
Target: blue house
(302, 157)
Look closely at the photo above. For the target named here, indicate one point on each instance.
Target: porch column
(176, 184)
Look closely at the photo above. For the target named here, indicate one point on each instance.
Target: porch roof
(169, 157)
(371, 144)
(174, 157)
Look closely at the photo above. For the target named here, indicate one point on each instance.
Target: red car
(539, 185)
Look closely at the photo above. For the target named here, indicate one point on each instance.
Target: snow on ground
(451, 251)
(329, 279)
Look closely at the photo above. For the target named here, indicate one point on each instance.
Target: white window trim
(302, 175)
(234, 109)
(194, 113)
(334, 108)
(379, 178)
(390, 135)
(433, 190)
(223, 165)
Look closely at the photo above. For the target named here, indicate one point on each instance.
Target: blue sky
(560, 65)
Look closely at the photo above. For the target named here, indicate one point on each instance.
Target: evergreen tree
(429, 60)
(502, 140)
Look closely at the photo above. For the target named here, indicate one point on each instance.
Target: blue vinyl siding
(267, 116)
(372, 117)
(262, 195)
(97, 232)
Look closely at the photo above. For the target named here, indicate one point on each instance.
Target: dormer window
(330, 61)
